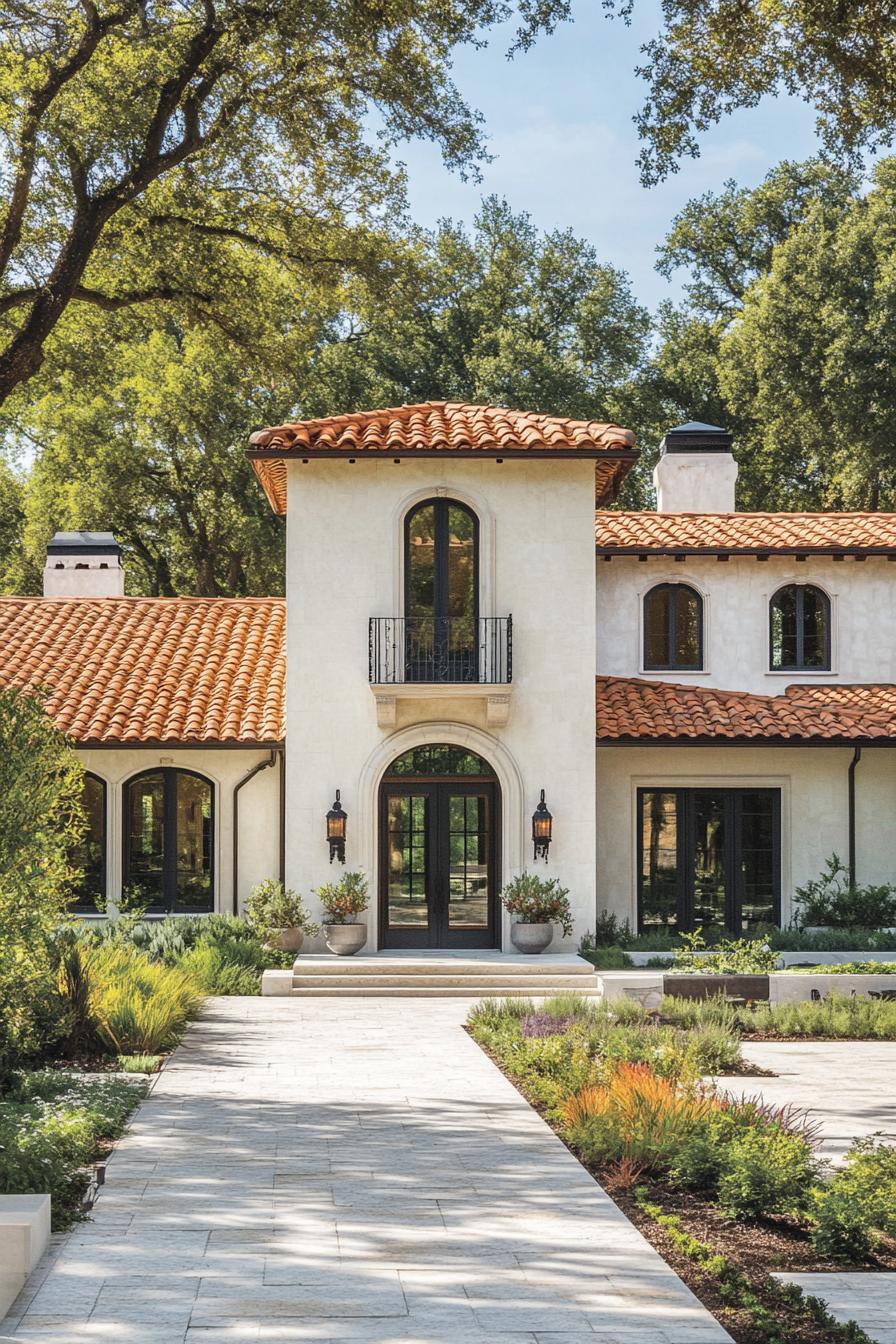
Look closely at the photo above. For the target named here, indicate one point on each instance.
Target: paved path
(350, 1170)
(850, 1086)
(867, 1299)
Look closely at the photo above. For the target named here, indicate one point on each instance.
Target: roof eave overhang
(744, 741)
(175, 744)
(798, 552)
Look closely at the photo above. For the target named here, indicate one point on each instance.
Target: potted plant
(341, 901)
(278, 916)
(539, 903)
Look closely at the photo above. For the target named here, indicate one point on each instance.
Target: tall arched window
(169, 841)
(90, 855)
(673, 629)
(800, 629)
(441, 592)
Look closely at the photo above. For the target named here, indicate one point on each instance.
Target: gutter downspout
(282, 755)
(856, 757)
(256, 769)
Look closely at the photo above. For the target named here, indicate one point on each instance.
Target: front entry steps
(441, 974)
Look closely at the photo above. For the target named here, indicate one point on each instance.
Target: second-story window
(673, 629)
(800, 629)
(441, 592)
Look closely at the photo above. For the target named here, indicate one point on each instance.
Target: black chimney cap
(695, 437)
(83, 543)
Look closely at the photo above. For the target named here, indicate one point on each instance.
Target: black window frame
(670, 590)
(82, 907)
(686, 847)
(440, 505)
(169, 834)
(800, 664)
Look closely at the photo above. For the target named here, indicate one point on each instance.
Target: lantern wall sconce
(542, 822)
(336, 818)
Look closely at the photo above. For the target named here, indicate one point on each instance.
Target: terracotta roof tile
(442, 427)
(729, 533)
(135, 669)
(629, 708)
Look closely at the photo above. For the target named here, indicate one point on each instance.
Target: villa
(481, 666)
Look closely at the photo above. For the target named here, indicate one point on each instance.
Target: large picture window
(800, 629)
(673, 629)
(169, 841)
(708, 858)
(90, 855)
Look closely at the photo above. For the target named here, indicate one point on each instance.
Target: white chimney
(83, 564)
(696, 471)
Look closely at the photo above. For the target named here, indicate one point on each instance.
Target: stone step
(478, 984)
(504, 968)
(506, 991)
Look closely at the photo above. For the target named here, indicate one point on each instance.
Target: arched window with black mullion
(673, 629)
(800, 629)
(169, 842)
(89, 856)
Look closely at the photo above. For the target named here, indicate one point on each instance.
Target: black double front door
(438, 863)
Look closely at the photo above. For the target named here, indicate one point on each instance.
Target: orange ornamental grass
(636, 1117)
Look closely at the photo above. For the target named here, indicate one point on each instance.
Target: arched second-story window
(800, 629)
(673, 629)
(90, 855)
(169, 841)
(441, 591)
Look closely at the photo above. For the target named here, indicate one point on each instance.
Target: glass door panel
(758, 858)
(469, 879)
(710, 838)
(193, 823)
(146, 840)
(406, 861)
(659, 860)
(441, 615)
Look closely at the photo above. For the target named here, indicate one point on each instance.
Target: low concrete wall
(24, 1236)
(647, 986)
(787, 958)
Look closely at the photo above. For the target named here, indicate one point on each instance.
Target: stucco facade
(345, 565)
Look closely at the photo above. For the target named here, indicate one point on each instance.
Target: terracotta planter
(287, 940)
(345, 939)
(531, 938)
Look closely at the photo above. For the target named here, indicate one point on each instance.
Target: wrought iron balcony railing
(433, 649)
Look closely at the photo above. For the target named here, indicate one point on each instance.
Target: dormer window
(800, 629)
(673, 629)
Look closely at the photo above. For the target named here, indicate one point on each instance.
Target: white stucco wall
(736, 597)
(344, 547)
(259, 810)
(814, 816)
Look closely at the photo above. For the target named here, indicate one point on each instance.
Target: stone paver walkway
(849, 1086)
(350, 1170)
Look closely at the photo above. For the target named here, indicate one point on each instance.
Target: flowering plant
(538, 900)
(343, 899)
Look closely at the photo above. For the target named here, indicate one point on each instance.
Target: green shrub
(766, 1169)
(137, 1006)
(715, 1011)
(609, 931)
(697, 1162)
(271, 907)
(835, 1017)
(731, 956)
(607, 958)
(52, 1124)
(227, 966)
(538, 900)
(859, 1204)
(833, 899)
(139, 1063)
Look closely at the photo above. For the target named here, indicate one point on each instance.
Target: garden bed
(728, 1190)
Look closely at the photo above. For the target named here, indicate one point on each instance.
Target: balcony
(424, 657)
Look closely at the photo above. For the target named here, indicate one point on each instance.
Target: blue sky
(559, 122)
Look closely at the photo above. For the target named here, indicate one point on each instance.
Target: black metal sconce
(336, 819)
(542, 821)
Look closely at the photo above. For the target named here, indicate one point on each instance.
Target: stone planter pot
(287, 940)
(345, 939)
(531, 938)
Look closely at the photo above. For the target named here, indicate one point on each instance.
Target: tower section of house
(441, 654)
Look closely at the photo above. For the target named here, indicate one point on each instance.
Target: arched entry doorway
(439, 824)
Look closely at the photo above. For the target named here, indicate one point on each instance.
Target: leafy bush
(344, 899)
(226, 967)
(860, 968)
(836, 1017)
(859, 1203)
(635, 1117)
(766, 1169)
(715, 1011)
(139, 1063)
(538, 900)
(731, 956)
(41, 825)
(852, 939)
(135, 1006)
(832, 899)
(271, 907)
(606, 958)
(52, 1124)
(609, 931)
